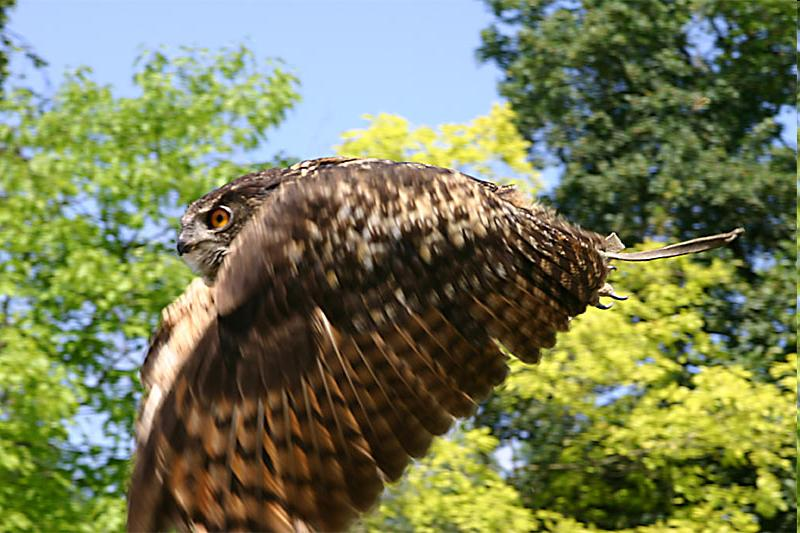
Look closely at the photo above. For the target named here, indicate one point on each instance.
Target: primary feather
(351, 310)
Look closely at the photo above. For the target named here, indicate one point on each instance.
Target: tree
(91, 186)
(646, 417)
(6, 43)
(456, 487)
(663, 115)
(625, 425)
(488, 146)
(12, 45)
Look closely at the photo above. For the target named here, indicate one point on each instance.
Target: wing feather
(376, 413)
(355, 315)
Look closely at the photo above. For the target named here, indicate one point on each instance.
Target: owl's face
(208, 227)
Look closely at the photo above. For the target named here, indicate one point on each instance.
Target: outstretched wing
(358, 312)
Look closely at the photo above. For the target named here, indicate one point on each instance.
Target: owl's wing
(183, 322)
(356, 314)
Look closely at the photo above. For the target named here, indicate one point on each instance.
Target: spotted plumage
(350, 309)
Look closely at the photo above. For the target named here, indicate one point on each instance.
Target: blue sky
(413, 58)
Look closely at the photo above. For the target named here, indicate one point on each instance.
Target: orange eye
(219, 218)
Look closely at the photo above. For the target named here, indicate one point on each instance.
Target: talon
(616, 296)
(608, 290)
(604, 307)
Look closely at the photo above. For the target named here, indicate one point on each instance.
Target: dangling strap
(693, 246)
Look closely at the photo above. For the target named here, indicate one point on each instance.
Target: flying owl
(348, 310)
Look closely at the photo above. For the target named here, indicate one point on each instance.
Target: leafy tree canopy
(488, 146)
(625, 424)
(5, 40)
(91, 186)
(663, 112)
(663, 115)
(456, 487)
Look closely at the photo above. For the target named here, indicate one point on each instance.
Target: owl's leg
(607, 291)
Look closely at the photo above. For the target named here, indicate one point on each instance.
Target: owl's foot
(608, 291)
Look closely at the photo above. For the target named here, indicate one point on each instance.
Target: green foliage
(627, 96)
(663, 115)
(454, 488)
(91, 186)
(489, 146)
(623, 426)
(6, 43)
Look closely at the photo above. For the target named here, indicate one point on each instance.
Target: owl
(347, 311)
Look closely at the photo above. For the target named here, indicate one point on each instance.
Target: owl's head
(212, 222)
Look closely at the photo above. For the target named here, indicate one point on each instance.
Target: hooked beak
(184, 247)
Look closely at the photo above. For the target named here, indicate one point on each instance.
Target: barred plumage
(352, 308)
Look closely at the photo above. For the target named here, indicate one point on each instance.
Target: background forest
(673, 411)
